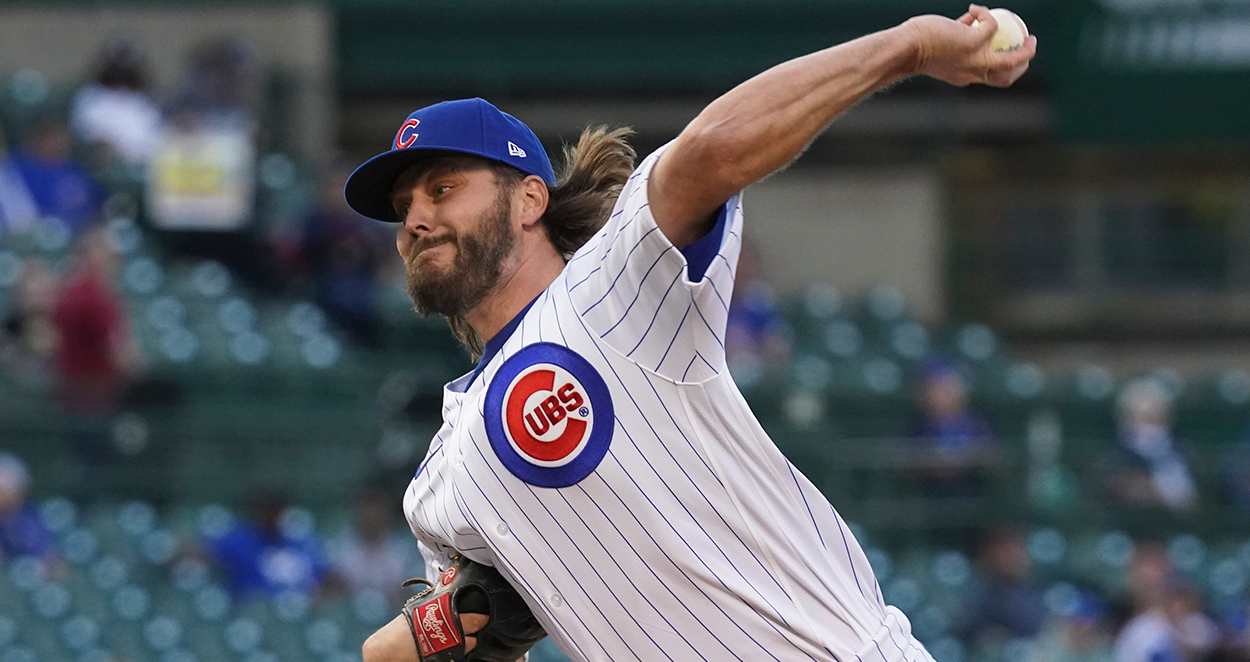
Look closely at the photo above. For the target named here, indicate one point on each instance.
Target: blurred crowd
(1161, 615)
(185, 164)
(270, 550)
(1007, 612)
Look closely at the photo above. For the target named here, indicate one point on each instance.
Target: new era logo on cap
(514, 150)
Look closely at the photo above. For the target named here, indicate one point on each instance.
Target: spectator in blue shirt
(262, 558)
(944, 422)
(22, 531)
(954, 439)
(59, 185)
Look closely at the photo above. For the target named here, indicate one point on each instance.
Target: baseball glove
(471, 588)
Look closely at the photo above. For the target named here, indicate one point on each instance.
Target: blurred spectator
(955, 435)
(374, 554)
(1196, 632)
(18, 210)
(95, 354)
(261, 557)
(29, 338)
(1006, 605)
(757, 337)
(22, 532)
(1147, 468)
(342, 252)
(1078, 636)
(1150, 576)
(1148, 637)
(944, 420)
(202, 177)
(221, 86)
(60, 187)
(115, 109)
(1168, 623)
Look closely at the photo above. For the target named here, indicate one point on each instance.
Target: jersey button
(556, 600)
(502, 529)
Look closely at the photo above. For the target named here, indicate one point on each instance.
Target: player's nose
(418, 219)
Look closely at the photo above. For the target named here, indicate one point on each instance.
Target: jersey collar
(496, 343)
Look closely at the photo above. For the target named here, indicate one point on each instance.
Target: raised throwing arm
(764, 123)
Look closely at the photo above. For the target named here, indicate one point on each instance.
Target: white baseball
(1011, 30)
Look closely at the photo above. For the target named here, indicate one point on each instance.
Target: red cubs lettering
(539, 425)
(551, 407)
(549, 412)
(404, 141)
(570, 397)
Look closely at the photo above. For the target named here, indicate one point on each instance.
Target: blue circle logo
(549, 416)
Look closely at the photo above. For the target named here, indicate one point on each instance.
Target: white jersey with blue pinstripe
(603, 459)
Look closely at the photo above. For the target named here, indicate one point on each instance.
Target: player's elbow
(713, 153)
(370, 651)
(373, 650)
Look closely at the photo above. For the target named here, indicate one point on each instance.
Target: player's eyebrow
(436, 166)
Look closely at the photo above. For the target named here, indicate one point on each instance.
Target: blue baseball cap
(467, 126)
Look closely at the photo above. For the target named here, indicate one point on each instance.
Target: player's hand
(956, 52)
(394, 642)
(472, 623)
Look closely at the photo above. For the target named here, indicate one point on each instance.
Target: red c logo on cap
(402, 141)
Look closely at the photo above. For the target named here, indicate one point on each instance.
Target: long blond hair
(588, 183)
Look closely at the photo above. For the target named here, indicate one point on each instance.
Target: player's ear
(529, 200)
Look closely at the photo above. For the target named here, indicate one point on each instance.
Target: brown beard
(474, 271)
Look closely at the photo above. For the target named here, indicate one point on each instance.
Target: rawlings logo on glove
(436, 633)
(470, 588)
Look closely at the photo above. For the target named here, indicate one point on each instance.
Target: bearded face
(458, 288)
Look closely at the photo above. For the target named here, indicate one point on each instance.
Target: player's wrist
(912, 41)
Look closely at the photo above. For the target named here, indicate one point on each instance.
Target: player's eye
(439, 190)
(403, 211)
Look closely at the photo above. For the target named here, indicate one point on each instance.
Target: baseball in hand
(1011, 31)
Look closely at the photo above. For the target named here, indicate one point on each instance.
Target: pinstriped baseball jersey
(602, 458)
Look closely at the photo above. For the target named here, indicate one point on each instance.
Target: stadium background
(1050, 248)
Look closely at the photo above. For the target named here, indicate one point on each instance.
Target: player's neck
(537, 267)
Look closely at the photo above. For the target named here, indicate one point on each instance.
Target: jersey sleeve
(663, 307)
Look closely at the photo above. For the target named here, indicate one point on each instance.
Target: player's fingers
(469, 643)
(966, 19)
(1027, 51)
(1030, 46)
(986, 24)
(1011, 60)
(471, 623)
(1007, 78)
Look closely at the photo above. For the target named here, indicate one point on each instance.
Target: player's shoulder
(630, 204)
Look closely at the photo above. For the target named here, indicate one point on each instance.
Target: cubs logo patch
(549, 416)
(407, 134)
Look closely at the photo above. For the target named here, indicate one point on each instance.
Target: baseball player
(600, 457)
